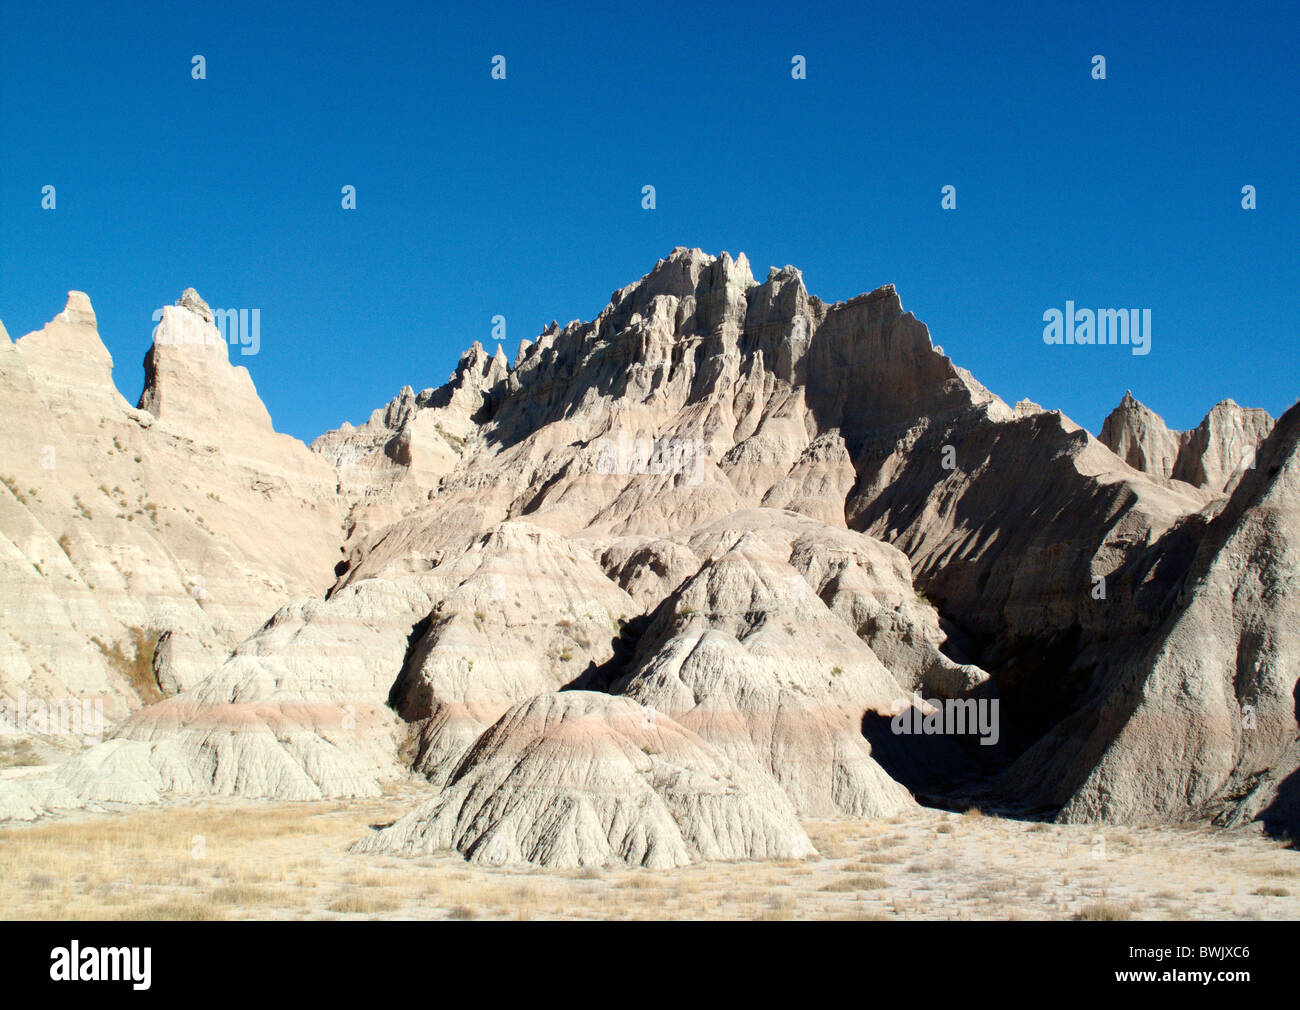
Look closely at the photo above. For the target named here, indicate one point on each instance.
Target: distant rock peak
(1208, 456)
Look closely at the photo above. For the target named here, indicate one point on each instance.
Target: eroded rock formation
(643, 594)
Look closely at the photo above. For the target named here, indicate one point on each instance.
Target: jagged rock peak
(1208, 456)
(78, 310)
(190, 299)
(685, 273)
(1137, 435)
(1224, 441)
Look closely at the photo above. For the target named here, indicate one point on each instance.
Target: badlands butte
(658, 590)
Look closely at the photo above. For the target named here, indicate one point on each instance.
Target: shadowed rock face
(1200, 718)
(757, 522)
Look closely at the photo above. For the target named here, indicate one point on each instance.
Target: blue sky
(522, 197)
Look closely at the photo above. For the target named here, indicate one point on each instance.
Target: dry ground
(236, 859)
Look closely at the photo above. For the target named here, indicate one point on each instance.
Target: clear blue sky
(523, 197)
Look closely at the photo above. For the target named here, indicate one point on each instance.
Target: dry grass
(14, 753)
(232, 859)
(1104, 911)
(862, 883)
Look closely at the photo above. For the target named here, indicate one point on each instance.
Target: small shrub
(857, 883)
(18, 753)
(135, 663)
(12, 485)
(1104, 911)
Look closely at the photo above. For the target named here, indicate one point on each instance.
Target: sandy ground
(238, 859)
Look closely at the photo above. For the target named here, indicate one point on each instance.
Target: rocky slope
(139, 545)
(656, 588)
(1201, 719)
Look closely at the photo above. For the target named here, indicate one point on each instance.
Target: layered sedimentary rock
(139, 545)
(580, 779)
(635, 596)
(521, 612)
(1201, 719)
(747, 655)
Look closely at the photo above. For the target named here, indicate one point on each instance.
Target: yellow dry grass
(233, 859)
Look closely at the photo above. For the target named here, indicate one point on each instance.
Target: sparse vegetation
(454, 441)
(135, 662)
(1104, 911)
(14, 489)
(17, 753)
(364, 903)
(857, 883)
(290, 860)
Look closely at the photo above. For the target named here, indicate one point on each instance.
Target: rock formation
(1137, 435)
(654, 590)
(1210, 456)
(1200, 720)
(138, 546)
(580, 779)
